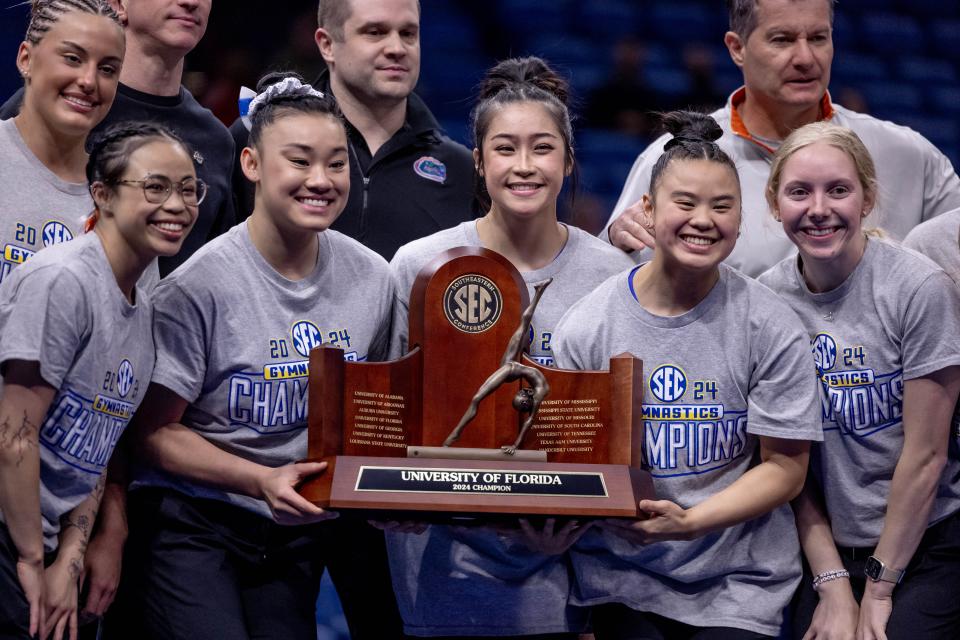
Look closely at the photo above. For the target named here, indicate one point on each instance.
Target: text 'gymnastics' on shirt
(869, 336)
(234, 340)
(534, 587)
(717, 378)
(64, 310)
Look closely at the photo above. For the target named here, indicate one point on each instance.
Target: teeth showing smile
(80, 102)
(697, 240)
(169, 226)
(314, 202)
(524, 186)
(820, 232)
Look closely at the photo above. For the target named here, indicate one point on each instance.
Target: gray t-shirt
(64, 310)
(733, 368)
(448, 581)
(234, 338)
(887, 323)
(582, 264)
(939, 240)
(37, 209)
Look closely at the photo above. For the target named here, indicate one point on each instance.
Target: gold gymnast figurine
(528, 399)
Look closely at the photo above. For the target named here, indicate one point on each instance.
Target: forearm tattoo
(20, 437)
(84, 520)
(81, 522)
(76, 567)
(98, 491)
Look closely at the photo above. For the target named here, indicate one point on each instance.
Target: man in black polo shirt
(408, 179)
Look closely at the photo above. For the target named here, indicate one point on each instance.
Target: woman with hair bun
(879, 517)
(727, 414)
(70, 63)
(76, 353)
(222, 544)
(457, 582)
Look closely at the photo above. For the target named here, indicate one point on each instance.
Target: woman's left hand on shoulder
(660, 520)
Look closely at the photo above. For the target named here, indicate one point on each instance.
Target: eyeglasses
(156, 189)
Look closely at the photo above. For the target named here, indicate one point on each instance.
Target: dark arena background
(895, 59)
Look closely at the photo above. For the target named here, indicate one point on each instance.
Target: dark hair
(283, 104)
(111, 150)
(743, 16)
(694, 136)
(110, 153)
(46, 13)
(522, 80)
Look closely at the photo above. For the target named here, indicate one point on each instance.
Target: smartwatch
(877, 571)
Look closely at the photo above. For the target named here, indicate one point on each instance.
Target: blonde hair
(836, 136)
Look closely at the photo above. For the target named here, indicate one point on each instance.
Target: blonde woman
(878, 517)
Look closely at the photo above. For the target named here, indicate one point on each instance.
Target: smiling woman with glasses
(76, 354)
(157, 189)
(70, 61)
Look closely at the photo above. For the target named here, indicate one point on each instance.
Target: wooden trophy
(465, 424)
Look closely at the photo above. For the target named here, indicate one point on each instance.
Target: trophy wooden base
(478, 487)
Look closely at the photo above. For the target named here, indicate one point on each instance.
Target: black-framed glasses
(156, 189)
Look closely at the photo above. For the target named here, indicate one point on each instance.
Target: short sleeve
(941, 189)
(181, 340)
(45, 319)
(783, 398)
(939, 240)
(931, 324)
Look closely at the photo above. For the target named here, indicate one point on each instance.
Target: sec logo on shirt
(668, 383)
(55, 232)
(306, 336)
(124, 378)
(824, 351)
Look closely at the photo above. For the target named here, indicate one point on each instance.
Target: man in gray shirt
(785, 49)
